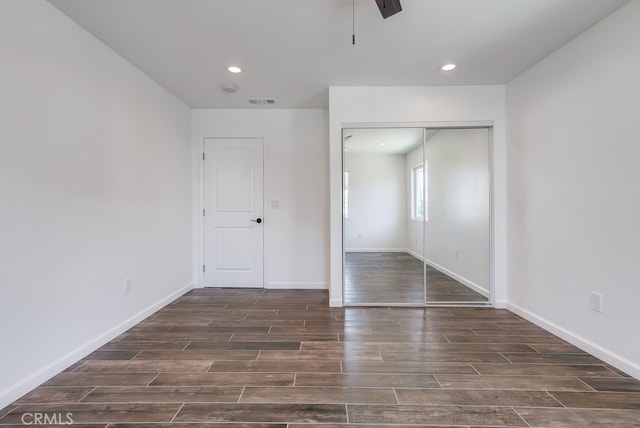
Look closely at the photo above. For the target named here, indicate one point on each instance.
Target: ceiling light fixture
(234, 69)
(448, 67)
(381, 144)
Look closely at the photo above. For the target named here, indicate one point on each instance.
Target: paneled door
(233, 212)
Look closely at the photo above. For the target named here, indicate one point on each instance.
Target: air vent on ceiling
(262, 101)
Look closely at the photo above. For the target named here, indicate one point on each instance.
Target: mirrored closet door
(416, 216)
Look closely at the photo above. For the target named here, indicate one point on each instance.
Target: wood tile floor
(398, 278)
(265, 359)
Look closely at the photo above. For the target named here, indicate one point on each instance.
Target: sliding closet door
(382, 233)
(457, 216)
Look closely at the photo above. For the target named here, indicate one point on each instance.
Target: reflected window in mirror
(419, 193)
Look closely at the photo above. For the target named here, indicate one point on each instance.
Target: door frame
(198, 224)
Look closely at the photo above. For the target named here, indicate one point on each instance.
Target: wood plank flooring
(265, 359)
(397, 278)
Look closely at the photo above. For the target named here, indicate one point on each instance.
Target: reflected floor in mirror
(397, 278)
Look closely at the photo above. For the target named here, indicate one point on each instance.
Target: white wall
(296, 175)
(457, 228)
(377, 202)
(95, 186)
(574, 202)
(418, 106)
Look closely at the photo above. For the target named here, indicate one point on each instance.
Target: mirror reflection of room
(416, 216)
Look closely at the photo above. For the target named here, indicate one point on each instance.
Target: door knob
(258, 220)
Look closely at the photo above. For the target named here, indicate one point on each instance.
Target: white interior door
(233, 212)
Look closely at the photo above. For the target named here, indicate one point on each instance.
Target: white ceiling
(382, 140)
(293, 50)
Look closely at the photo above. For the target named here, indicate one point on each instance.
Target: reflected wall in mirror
(457, 233)
(382, 242)
(416, 216)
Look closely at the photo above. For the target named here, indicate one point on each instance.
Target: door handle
(258, 220)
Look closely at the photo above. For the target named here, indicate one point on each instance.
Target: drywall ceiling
(293, 50)
(382, 140)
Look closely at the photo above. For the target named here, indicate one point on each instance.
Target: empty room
(286, 213)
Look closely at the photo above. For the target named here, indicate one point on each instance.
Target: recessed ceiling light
(381, 144)
(448, 67)
(234, 69)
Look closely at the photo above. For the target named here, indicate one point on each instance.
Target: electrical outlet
(457, 254)
(596, 302)
(359, 235)
(275, 205)
(127, 285)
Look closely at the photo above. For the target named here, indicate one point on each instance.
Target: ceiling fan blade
(388, 7)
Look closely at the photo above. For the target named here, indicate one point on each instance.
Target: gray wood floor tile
(418, 367)
(275, 366)
(444, 356)
(56, 394)
(603, 400)
(224, 379)
(190, 354)
(572, 418)
(451, 415)
(96, 413)
(322, 395)
(544, 369)
(476, 397)
(289, 413)
(164, 394)
(612, 384)
(338, 355)
(145, 366)
(201, 425)
(101, 379)
(526, 383)
(219, 346)
(369, 380)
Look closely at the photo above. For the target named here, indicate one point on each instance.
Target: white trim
(12, 393)
(472, 285)
(414, 254)
(335, 303)
(297, 285)
(375, 250)
(500, 304)
(612, 358)
(467, 124)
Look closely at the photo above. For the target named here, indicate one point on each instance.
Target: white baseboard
(12, 393)
(414, 254)
(612, 358)
(500, 304)
(472, 285)
(297, 285)
(335, 303)
(375, 250)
